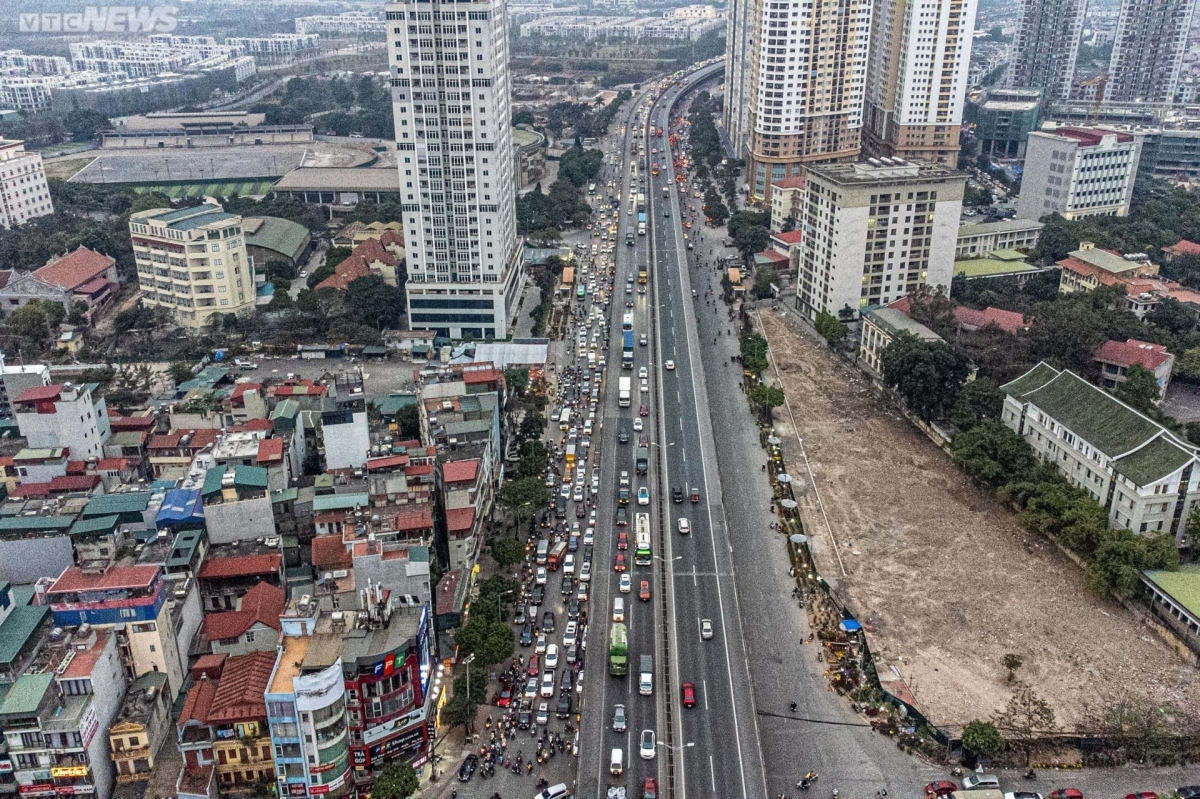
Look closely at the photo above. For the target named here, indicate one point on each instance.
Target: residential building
(55, 714)
(83, 276)
(194, 262)
(917, 79)
(1143, 476)
(740, 26)
(371, 257)
(1116, 357)
(1089, 268)
(787, 198)
(358, 24)
(465, 270)
(1173, 600)
(875, 233)
(821, 118)
(277, 46)
(1004, 121)
(1148, 49)
(230, 571)
(253, 627)
(64, 416)
(237, 506)
(24, 193)
(880, 326)
(1170, 154)
(15, 378)
(971, 319)
(1046, 45)
(978, 240)
(1078, 172)
(140, 727)
(466, 499)
(346, 438)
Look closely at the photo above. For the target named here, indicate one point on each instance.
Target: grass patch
(64, 170)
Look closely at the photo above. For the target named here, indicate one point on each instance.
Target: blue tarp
(181, 506)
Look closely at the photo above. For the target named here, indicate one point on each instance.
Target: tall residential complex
(24, 192)
(450, 102)
(1046, 45)
(807, 63)
(735, 111)
(917, 78)
(874, 233)
(1148, 50)
(193, 261)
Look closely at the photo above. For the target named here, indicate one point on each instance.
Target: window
(249, 636)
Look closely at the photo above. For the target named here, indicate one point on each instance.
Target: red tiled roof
(1181, 247)
(94, 285)
(1131, 351)
(793, 182)
(137, 423)
(240, 566)
(62, 484)
(790, 237)
(387, 462)
(418, 469)
(239, 693)
(420, 518)
(391, 237)
(241, 388)
(459, 520)
(114, 578)
(210, 664)
(345, 274)
(84, 662)
(903, 305)
(447, 590)
(773, 256)
(39, 393)
(198, 703)
(74, 269)
(329, 552)
(460, 471)
(270, 450)
(5, 276)
(251, 426)
(1008, 321)
(199, 439)
(262, 604)
(475, 376)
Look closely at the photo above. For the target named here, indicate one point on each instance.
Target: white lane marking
(704, 687)
(712, 772)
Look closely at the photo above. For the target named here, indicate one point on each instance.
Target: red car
(1142, 795)
(941, 788)
(1067, 793)
(619, 563)
(504, 699)
(649, 788)
(644, 410)
(689, 695)
(622, 540)
(644, 591)
(534, 665)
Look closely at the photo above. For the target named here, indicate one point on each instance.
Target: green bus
(581, 291)
(618, 651)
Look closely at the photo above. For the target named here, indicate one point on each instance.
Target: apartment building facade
(24, 193)
(194, 262)
(1046, 46)
(1148, 49)
(450, 101)
(1078, 172)
(64, 416)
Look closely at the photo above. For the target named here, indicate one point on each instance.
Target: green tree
(754, 352)
(764, 277)
(1189, 364)
(1011, 662)
(507, 552)
(523, 497)
(982, 739)
(993, 454)
(490, 641)
(580, 166)
(928, 375)
(767, 398)
(1172, 316)
(750, 232)
(408, 422)
(179, 372)
(371, 301)
(396, 780)
(1139, 390)
(459, 712)
(533, 459)
(1056, 240)
(979, 399)
(36, 323)
(517, 380)
(830, 328)
(1026, 717)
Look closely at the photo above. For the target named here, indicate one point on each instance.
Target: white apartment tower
(736, 109)
(450, 102)
(808, 65)
(874, 233)
(1046, 45)
(917, 78)
(24, 193)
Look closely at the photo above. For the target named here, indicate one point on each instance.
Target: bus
(642, 554)
(627, 322)
(581, 291)
(618, 651)
(591, 188)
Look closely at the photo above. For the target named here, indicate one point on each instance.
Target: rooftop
(75, 269)
(115, 578)
(893, 321)
(999, 226)
(868, 174)
(383, 179)
(1131, 351)
(1182, 585)
(239, 693)
(262, 604)
(279, 235)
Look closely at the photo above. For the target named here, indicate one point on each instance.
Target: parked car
(941, 788)
(467, 769)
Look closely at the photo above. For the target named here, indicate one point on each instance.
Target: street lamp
(498, 596)
(681, 747)
(660, 557)
(467, 662)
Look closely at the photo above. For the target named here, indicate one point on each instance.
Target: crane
(1100, 82)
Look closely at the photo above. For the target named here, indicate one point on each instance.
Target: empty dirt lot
(943, 575)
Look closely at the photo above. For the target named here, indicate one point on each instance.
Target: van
(980, 782)
(543, 552)
(555, 792)
(619, 609)
(569, 563)
(616, 763)
(564, 419)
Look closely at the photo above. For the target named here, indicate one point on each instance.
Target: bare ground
(944, 577)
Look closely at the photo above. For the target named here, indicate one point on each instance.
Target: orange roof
(114, 578)
(1131, 351)
(358, 265)
(418, 518)
(391, 237)
(1084, 268)
(459, 520)
(329, 552)
(344, 274)
(198, 703)
(790, 237)
(460, 471)
(1008, 321)
(474, 376)
(72, 271)
(84, 661)
(240, 690)
(270, 450)
(1183, 247)
(241, 566)
(793, 182)
(262, 604)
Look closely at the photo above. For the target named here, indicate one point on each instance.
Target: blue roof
(181, 506)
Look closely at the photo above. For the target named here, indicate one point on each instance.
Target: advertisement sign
(37, 789)
(5, 766)
(89, 725)
(383, 730)
(332, 785)
(68, 771)
(296, 789)
(403, 744)
(359, 758)
(424, 649)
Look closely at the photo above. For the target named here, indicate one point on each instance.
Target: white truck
(624, 387)
(646, 675)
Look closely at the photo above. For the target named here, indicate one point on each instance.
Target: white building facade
(24, 193)
(1078, 172)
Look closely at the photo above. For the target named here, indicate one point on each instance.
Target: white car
(551, 659)
(626, 583)
(547, 689)
(585, 572)
(540, 645)
(685, 527)
(589, 536)
(670, 365)
(643, 496)
(244, 363)
(571, 633)
(543, 714)
(637, 424)
(643, 373)
(706, 629)
(646, 748)
(541, 575)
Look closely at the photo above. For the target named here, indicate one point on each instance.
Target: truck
(645, 675)
(554, 559)
(643, 460)
(543, 551)
(642, 228)
(571, 454)
(624, 387)
(618, 651)
(627, 349)
(641, 201)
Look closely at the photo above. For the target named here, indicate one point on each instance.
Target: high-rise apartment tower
(1148, 49)
(1046, 45)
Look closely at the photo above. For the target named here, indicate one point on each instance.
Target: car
(547, 689)
(626, 583)
(581, 590)
(540, 579)
(565, 683)
(504, 698)
(685, 526)
(303, 273)
(579, 678)
(941, 788)
(688, 691)
(531, 687)
(244, 363)
(619, 562)
(522, 614)
(1142, 795)
(629, 303)
(537, 595)
(467, 770)
(695, 495)
(585, 574)
(643, 373)
(589, 536)
(643, 495)
(534, 667)
(572, 653)
(524, 719)
(677, 494)
(706, 629)
(638, 426)
(622, 517)
(568, 586)
(644, 410)
(1189, 792)
(1019, 795)
(623, 437)
(1066, 793)
(643, 341)
(619, 722)
(552, 656)
(647, 745)
(622, 540)
(669, 366)
(572, 608)
(644, 590)
(527, 634)
(570, 634)
(649, 788)
(565, 702)
(543, 714)
(539, 646)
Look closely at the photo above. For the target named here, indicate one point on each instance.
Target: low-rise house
(1175, 599)
(1116, 357)
(229, 572)
(140, 727)
(971, 319)
(83, 276)
(880, 326)
(254, 627)
(981, 239)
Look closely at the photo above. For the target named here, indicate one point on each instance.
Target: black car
(564, 705)
(524, 718)
(573, 611)
(622, 517)
(677, 494)
(568, 585)
(588, 551)
(622, 437)
(1189, 792)
(467, 769)
(548, 621)
(537, 595)
(566, 681)
(527, 634)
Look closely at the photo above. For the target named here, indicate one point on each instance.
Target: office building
(985, 238)
(1004, 121)
(193, 261)
(805, 108)
(1148, 50)
(24, 193)
(450, 102)
(873, 233)
(1078, 172)
(917, 79)
(1046, 45)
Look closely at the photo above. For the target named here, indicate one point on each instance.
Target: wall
(346, 445)
(192, 612)
(155, 649)
(24, 560)
(108, 686)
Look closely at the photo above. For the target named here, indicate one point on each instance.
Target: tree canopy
(928, 375)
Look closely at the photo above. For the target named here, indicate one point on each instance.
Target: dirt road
(943, 576)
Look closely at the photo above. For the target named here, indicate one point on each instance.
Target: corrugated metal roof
(26, 694)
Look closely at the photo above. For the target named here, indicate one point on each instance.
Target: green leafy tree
(580, 166)
(459, 712)
(754, 352)
(979, 399)
(507, 552)
(1011, 662)
(396, 780)
(517, 380)
(36, 323)
(830, 328)
(764, 277)
(1139, 390)
(490, 641)
(993, 454)
(371, 301)
(767, 398)
(1056, 240)
(1172, 316)
(1189, 364)
(982, 739)
(408, 422)
(928, 375)
(523, 497)
(179, 372)
(533, 459)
